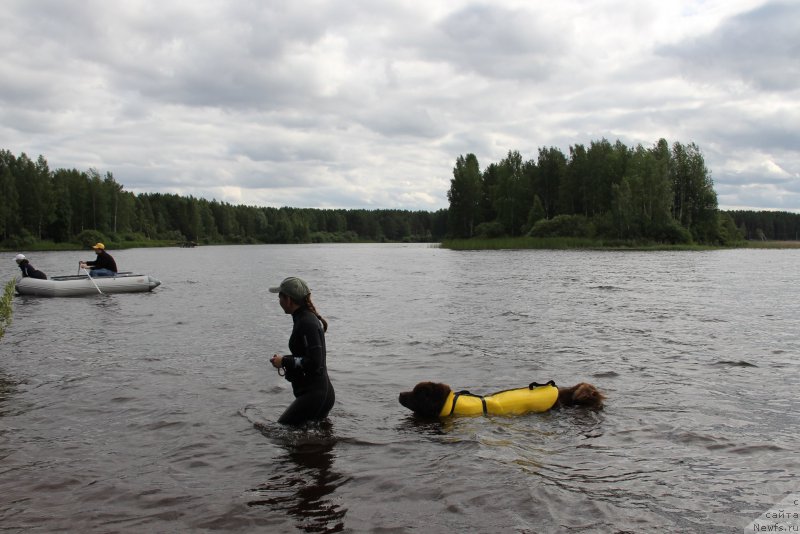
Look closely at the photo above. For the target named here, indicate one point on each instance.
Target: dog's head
(426, 399)
(582, 394)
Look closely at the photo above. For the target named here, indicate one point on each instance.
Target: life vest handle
(538, 385)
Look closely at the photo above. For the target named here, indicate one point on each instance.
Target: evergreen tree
(573, 194)
(9, 201)
(552, 166)
(59, 229)
(511, 193)
(465, 197)
(491, 177)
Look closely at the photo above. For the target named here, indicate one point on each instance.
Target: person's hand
(276, 361)
(82, 264)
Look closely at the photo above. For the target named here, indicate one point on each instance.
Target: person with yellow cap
(102, 265)
(306, 367)
(27, 269)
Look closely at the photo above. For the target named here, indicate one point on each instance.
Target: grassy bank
(575, 243)
(40, 246)
(771, 244)
(5, 305)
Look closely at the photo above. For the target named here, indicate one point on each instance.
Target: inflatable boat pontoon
(82, 285)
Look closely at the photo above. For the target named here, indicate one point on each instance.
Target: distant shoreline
(574, 243)
(49, 246)
(500, 243)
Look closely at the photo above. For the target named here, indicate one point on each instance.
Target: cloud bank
(367, 105)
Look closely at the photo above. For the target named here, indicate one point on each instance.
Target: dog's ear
(426, 399)
(588, 395)
(431, 397)
(432, 388)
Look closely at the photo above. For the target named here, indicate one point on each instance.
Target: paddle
(92, 279)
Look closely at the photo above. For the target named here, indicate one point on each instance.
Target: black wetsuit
(30, 272)
(103, 261)
(306, 370)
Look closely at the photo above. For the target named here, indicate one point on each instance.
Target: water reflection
(304, 482)
(418, 425)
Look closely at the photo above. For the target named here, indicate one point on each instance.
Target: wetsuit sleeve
(312, 346)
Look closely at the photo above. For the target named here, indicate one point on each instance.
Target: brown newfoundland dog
(427, 398)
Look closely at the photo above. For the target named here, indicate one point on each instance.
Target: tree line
(662, 194)
(767, 225)
(71, 206)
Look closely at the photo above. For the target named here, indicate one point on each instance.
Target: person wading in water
(306, 366)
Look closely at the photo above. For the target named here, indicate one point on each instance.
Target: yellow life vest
(534, 398)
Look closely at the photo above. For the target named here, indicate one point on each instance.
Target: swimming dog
(432, 399)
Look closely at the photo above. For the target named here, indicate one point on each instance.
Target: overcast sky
(366, 104)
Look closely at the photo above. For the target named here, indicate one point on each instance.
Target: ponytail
(310, 306)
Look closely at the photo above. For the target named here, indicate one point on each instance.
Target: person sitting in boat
(103, 264)
(27, 269)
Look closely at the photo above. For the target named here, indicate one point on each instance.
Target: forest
(659, 194)
(70, 206)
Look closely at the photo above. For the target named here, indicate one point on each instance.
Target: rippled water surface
(156, 412)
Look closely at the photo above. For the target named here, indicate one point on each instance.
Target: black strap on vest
(467, 394)
(483, 399)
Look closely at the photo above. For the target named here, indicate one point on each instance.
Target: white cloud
(364, 104)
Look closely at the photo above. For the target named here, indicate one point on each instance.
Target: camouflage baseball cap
(294, 287)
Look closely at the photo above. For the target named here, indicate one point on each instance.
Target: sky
(364, 104)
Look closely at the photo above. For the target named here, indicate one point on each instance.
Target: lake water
(156, 412)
